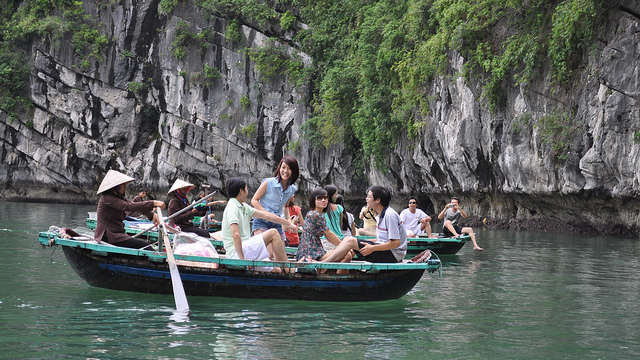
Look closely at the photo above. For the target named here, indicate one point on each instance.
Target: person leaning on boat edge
(113, 208)
(391, 238)
(451, 214)
(236, 229)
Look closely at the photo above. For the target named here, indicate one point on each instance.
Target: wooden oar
(178, 290)
(176, 214)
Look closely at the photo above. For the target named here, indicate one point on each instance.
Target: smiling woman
(274, 193)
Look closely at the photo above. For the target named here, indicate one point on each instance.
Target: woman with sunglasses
(315, 226)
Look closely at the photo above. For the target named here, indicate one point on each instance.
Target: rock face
(158, 117)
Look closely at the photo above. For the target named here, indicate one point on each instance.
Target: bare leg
(273, 240)
(426, 228)
(366, 232)
(339, 253)
(450, 227)
(269, 247)
(342, 253)
(468, 230)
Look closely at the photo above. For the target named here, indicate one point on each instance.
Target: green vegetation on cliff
(374, 60)
(23, 23)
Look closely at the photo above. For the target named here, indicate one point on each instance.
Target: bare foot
(478, 248)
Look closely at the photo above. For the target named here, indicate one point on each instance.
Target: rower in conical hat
(113, 179)
(113, 208)
(178, 201)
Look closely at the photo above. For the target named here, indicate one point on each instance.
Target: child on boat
(315, 226)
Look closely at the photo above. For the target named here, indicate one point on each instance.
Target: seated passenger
(113, 208)
(451, 214)
(368, 217)
(315, 226)
(391, 243)
(347, 225)
(415, 220)
(178, 201)
(293, 238)
(236, 227)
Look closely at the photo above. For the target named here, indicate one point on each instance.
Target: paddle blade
(178, 290)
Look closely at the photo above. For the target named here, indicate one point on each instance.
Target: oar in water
(178, 290)
(176, 214)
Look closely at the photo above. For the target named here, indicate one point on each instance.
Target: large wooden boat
(112, 267)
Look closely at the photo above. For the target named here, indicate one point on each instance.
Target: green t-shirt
(333, 220)
(236, 213)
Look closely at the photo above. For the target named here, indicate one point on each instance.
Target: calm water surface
(528, 296)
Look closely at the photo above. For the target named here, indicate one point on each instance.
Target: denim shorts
(266, 225)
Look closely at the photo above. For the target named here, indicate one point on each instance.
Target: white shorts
(255, 249)
(408, 231)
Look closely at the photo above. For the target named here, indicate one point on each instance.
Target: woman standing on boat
(178, 201)
(315, 226)
(113, 208)
(274, 193)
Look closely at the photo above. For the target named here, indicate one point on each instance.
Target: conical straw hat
(179, 184)
(113, 179)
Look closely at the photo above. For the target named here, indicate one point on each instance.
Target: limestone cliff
(157, 116)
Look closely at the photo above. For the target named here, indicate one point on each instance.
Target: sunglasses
(322, 198)
(412, 202)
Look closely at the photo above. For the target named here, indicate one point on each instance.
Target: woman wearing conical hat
(113, 207)
(178, 201)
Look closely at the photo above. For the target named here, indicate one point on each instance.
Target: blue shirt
(274, 198)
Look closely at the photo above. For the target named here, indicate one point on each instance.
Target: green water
(528, 296)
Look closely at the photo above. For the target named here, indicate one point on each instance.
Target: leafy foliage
(184, 38)
(374, 59)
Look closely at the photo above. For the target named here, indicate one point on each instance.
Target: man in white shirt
(415, 220)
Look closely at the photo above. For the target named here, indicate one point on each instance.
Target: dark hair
(413, 198)
(344, 218)
(142, 189)
(312, 198)
(331, 190)
(234, 185)
(456, 198)
(380, 192)
(293, 165)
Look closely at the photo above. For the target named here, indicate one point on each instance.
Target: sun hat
(179, 184)
(113, 179)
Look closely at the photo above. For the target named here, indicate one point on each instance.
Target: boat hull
(131, 273)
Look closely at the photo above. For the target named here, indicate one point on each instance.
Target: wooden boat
(441, 246)
(112, 267)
